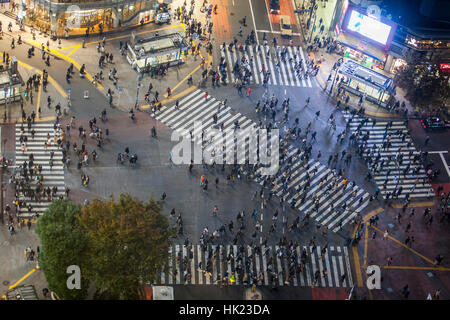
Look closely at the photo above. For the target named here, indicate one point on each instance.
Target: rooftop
(369, 76)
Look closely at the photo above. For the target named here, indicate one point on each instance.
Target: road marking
(50, 79)
(76, 48)
(417, 268)
(268, 16)
(70, 47)
(445, 163)
(181, 94)
(278, 32)
(357, 267)
(253, 18)
(68, 59)
(414, 204)
(371, 214)
(405, 246)
(23, 64)
(185, 78)
(23, 278)
(365, 247)
(39, 94)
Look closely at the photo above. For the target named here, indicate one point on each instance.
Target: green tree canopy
(63, 243)
(426, 87)
(128, 243)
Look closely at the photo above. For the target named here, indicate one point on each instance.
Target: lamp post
(139, 79)
(314, 8)
(338, 65)
(1, 182)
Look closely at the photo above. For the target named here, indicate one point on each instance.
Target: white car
(162, 18)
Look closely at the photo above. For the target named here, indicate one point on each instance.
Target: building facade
(422, 32)
(62, 17)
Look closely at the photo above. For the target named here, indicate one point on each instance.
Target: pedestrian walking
(389, 261)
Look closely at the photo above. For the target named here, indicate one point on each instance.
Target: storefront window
(363, 59)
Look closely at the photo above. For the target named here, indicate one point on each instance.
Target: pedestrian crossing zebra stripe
(335, 260)
(324, 215)
(53, 176)
(393, 172)
(283, 75)
(195, 108)
(184, 122)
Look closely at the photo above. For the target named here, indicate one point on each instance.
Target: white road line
(253, 17)
(445, 163)
(268, 16)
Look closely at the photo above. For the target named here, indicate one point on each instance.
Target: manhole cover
(231, 14)
(430, 274)
(6, 283)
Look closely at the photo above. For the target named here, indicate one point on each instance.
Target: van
(285, 25)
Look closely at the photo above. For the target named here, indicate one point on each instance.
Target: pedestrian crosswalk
(398, 170)
(326, 200)
(281, 63)
(302, 266)
(52, 172)
(317, 190)
(195, 115)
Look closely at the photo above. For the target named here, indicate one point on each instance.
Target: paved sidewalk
(71, 50)
(411, 263)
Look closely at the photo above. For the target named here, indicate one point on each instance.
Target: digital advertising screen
(369, 28)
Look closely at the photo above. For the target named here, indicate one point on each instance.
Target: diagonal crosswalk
(51, 175)
(317, 190)
(325, 199)
(286, 65)
(195, 108)
(296, 266)
(395, 149)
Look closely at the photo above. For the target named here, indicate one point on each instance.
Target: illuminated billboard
(369, 28)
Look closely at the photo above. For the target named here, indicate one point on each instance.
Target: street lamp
(314, 8)
(139, 79)
(338, 64)
(1, 182)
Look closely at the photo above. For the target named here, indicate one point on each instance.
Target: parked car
(162, 18)
(285, 25)
(274, 6)
(433, 124)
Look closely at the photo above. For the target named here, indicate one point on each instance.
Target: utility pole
(1, 177)
(139, 79)
(338, 65)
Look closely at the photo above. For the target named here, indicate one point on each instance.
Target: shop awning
(362, 46)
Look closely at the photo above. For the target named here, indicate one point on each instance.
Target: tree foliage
(426, 87)
(128, 243)
(63, 243)
(117, 245)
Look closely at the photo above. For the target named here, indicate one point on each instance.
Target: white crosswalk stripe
(242, 262)
(407, 174)
(52, 175)
(195, 109)
(281, 72)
